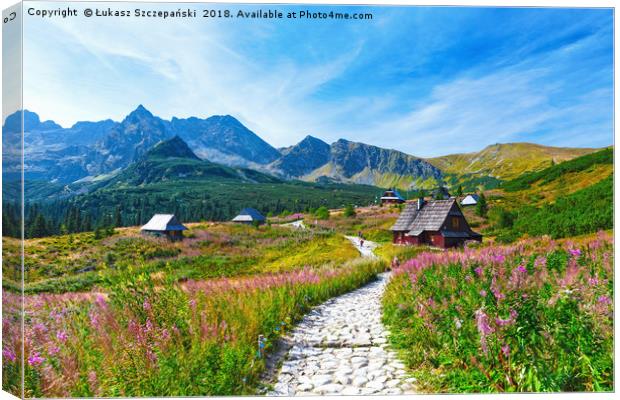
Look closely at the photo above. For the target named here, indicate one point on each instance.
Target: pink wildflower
(604, 299)
(478, 271)
(35, 359)
(146, 305)
(94, 319)
(62, 336)
(100, 301)
(483, 293)
(482, 322)
(53, 350)
(506, 350)
(575, 252)
(522, 269)
(9, 355)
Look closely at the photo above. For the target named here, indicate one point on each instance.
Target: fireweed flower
(53, 350)
(9, 355)
(482, 323)
(61, 335)
(146, 305)
(35, 359)
(604, 299)
(506, 350)
(100, 301)
(575, 252)
(483, 293)
(478, 271)
(94, 319)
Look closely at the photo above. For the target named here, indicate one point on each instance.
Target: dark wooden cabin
(392, 196)
(437, 223)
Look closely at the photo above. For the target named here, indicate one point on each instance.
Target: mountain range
(123, 153)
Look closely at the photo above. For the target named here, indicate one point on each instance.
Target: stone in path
(341, 348)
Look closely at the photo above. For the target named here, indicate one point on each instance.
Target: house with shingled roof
(439, 223)
(392, 196)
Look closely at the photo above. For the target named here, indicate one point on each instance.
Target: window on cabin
(456, 222)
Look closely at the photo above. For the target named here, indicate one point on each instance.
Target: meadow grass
(79, 262)
(536, 316)
(148, 337)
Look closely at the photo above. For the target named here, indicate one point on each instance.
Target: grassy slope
(573, 197)
(505, 161)
(58, 263)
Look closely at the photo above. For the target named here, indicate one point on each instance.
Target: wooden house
(164, 225)
(392, 196)
(250, 216)
(470, 200)
(437, 223)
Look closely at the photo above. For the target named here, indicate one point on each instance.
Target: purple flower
(146, 305)
(482, 322)
(100, 301)
(483, 293)
(604, 299)
(53, 350)
(478, 271)
(506, 350)
(35, 359)
(9, 355)
(94, 319)
(61, 335)
(521, 269)
(575, 252)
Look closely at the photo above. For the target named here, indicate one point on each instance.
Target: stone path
(340, 348)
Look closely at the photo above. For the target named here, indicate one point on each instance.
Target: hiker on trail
(395, 263)
(361, 242)
(359, 234)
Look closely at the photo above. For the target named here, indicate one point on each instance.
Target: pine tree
(349, 211)
(481, 206)
(118, 221)
(38, 227)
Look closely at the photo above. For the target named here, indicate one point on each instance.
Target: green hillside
(500, 162)
(568, 199)
(558, 171)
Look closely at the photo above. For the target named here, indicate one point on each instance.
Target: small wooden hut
(165, 225)
(392, 196)
(250, 216)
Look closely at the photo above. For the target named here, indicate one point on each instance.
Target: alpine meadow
(408, 200)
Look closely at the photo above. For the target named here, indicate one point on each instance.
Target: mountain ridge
(89, 149)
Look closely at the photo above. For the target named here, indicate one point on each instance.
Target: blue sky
(427, 81)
